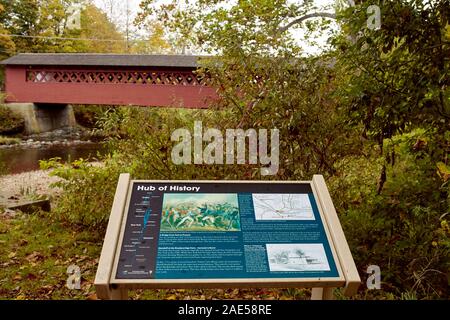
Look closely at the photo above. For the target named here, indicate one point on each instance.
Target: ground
(36, 250)
(27, 186)
(32, 182)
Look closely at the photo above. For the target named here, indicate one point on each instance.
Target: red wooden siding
(140, 86)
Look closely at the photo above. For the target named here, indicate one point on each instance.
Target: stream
(22, 159)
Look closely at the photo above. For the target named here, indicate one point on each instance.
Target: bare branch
(306, 17)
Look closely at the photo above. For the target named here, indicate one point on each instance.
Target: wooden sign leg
(350, 271)
(119, 294)
(322, 294)
(105, 264)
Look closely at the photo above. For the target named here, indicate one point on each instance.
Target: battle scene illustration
(200, 212)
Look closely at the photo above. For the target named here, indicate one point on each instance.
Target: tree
(396, 79)
(20, 18)
(7, 46)
(96, 25)
(41, 26)
(155, 43)
(205, 25)
(264, 80)
(300, 253)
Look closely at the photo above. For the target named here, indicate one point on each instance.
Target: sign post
(224, 234)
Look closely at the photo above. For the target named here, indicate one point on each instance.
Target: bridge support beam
(44, 117)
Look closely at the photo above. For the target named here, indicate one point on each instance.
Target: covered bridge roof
(94, 59)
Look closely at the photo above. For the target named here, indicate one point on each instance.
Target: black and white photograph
(297, 257)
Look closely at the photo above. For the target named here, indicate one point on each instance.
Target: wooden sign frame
(109, 287)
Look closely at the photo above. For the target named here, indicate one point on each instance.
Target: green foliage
(7, 45)
(34, 20)
(8, 140)
(394, 81)
(10, 122)
(88, 116)
(246, 26)
(141, 138)
(89, 190)
(140, 141)
(396, 78)
(404, 230)
(277, 88)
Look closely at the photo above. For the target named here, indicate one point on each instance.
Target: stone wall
(44, 117)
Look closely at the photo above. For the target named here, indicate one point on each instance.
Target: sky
(119, 7)
(115, 9)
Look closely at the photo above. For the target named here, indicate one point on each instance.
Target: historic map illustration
(282, 207)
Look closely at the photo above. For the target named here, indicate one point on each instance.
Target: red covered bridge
(142, 80)
(42, 87)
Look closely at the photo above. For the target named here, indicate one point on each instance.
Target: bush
(138, 140)
(8, 141)
(88, 116)
(88, 191)
(9, 122)
(404, 230)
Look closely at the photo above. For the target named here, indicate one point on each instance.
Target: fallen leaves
(218, 294)
(34, 263)
(31, 276)
(92, 296)
(35, 256)
(45, 292)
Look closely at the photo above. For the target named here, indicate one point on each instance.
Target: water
(17, 160)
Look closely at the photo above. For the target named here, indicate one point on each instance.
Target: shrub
(404, 230)
(88, 190)
(138, 144)
(9, 122)
(9, 141)
(88, 116)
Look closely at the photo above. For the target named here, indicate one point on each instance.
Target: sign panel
(207, 230)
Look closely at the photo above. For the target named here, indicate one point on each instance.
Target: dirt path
(33, 182)
(23, 186)
(29, 184)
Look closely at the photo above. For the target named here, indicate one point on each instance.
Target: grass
(37, 249)
(9, 140)
(35, 252)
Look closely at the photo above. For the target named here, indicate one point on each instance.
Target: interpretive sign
(206, 234)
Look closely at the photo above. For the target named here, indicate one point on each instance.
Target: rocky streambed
(59, 137)
(31, 143)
